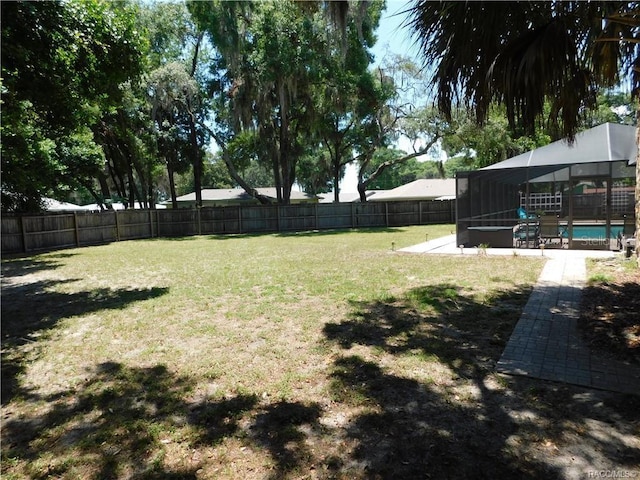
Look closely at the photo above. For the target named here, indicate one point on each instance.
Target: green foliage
(615, 107)
(483, 145)
(395, 175)
(348, 99)
(214, 175)
(62, 64)
(289, 75)
(543, 61)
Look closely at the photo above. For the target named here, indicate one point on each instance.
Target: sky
(394, 38)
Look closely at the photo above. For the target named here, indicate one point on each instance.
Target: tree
(400, 115)
(176, 89)
(169, 90)
(62, 64)
(424, 128)
(267, 59)
(397, 174)
(524, 54)
(348, 97)
(486, 144)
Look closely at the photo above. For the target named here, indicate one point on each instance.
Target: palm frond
(522, 54)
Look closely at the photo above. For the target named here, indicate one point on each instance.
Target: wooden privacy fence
(50, 231)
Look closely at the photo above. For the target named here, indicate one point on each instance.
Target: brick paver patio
(546, 343)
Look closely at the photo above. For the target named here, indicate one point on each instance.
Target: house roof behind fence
(421, 189)
(227, 194)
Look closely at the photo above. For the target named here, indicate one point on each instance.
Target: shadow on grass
(610, 321)
(142, 423)
(117, 425)
(281, 429)
(30, 310)
(454, 422)
(285, 234)
(20, 266)
(149, 423)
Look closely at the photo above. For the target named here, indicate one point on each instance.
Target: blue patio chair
(523, 215)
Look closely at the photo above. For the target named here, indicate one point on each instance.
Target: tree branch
(232, 169)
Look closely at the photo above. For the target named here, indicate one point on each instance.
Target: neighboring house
(94, 207)
(52, 205)
(223, 197)
(421, 189)
(346, 197)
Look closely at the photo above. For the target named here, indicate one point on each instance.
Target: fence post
(75, 226)
(239, 219)
(24, 234)
(150, 223)
(115, 212)
(386, 214)
(278, 217)
(198, 207)
(315, 216)
(419, 212)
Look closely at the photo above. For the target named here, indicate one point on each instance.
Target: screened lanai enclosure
(577, 196)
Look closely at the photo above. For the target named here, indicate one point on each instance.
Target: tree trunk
(172, 185)
(336, 185)
(362, 190)
(104, 189)
(637, 235)
(232, 169)
(197, 161)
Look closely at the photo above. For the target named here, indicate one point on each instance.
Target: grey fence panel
(260, 218)
(50, 231)
(43, 232)
(96, 228)
(180, 222)
(370, 215)
(334, 215)
(11, 234)
(297, 217)
(135, 224)
(403, 213)
(437, 212)
(220, 220)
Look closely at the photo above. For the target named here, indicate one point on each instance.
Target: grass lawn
(312, 355)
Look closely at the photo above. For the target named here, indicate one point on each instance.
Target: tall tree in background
(295, 74)
(267, 57)
(401, 115)
(348, 97)
(168, 89)
(62, 67)
(523, 54)
(179, 60)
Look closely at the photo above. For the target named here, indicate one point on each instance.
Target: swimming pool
(594, 231)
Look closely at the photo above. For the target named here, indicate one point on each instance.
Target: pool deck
(546, 343)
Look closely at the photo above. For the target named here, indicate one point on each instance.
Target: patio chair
(523, 215)
(550, 230)
(526, 234)
(628, 233)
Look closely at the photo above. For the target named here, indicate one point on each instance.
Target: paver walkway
(546, 343)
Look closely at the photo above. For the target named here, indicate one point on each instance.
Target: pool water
(594, 231)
